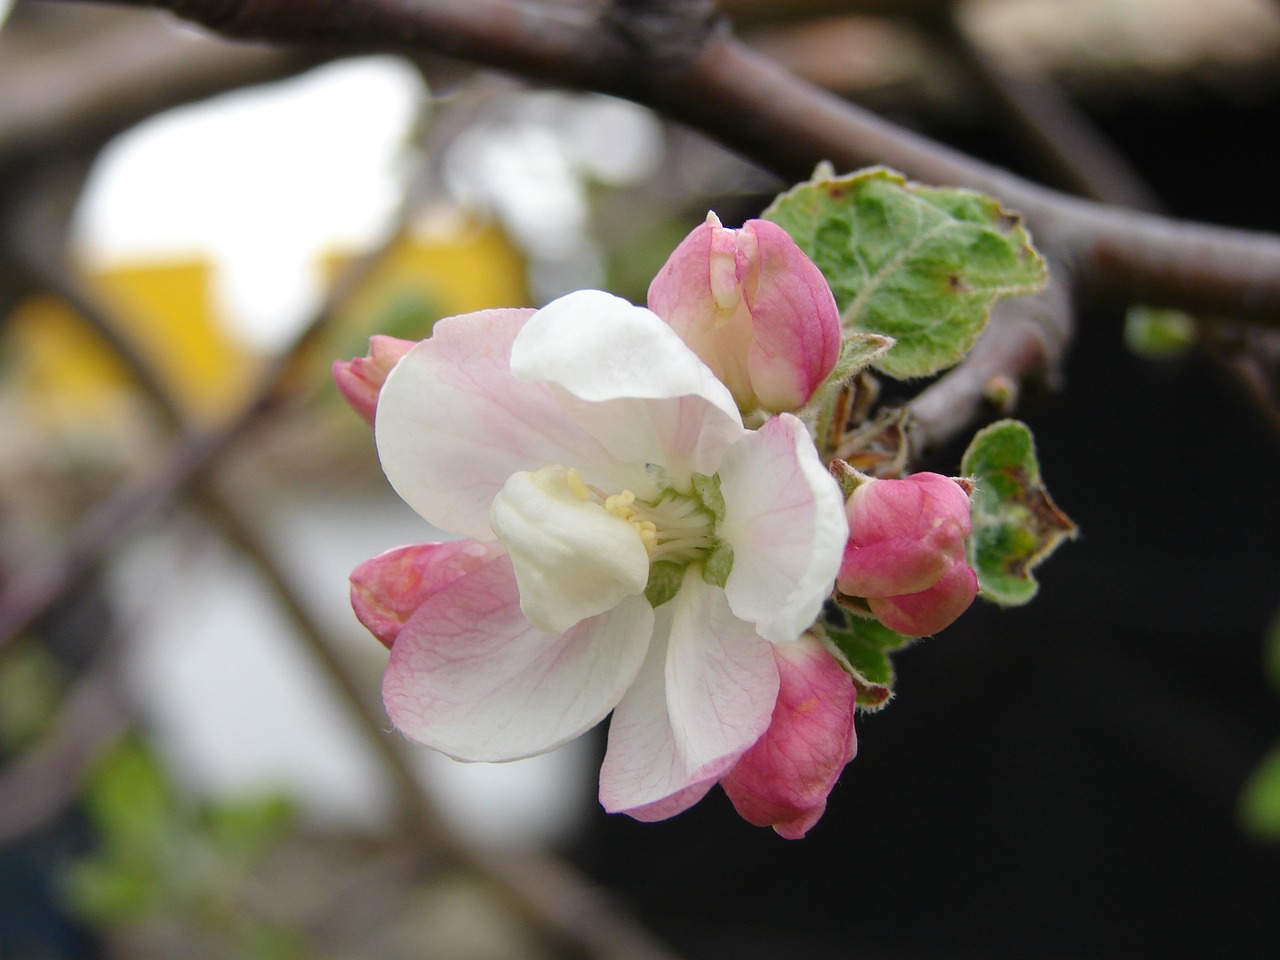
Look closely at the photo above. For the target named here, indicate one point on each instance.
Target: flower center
(674, 527)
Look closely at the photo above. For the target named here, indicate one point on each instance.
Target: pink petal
(891, 567)
(387, 589)
(784, 779)
(911, 508)
(361, 379)
(668, 807)
(754, 308)
(794, 317)
(698, 292)
(454, 423)
(785, 519)
(704, 695)
(469, 676)
(927, 612)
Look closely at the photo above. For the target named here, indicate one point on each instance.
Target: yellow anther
(624, 499)
(576, 484)
(648, 533)
(620, 504)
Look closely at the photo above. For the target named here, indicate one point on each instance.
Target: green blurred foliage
(31, 683)
(163, 859)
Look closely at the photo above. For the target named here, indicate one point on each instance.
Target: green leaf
(866, 645)
(857, 351)
(1015, 523)
(920, 264)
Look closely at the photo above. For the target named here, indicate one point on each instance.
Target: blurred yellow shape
(67, 377)
(164, 311)
(453, 265)
(75, 384)
(74, 380)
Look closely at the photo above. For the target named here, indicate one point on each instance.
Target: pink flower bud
(755, 309)
(387, 589)
(360, 380)
(784, 779)
(905, 554)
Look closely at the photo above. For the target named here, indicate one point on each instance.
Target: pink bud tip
(905, 554)
(755, 308)
(387, 589)
(360, 380)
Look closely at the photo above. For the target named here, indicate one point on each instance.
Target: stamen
(675, 527)
(576, 484)
(620, 504)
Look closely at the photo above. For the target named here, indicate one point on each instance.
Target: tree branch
(728, 91)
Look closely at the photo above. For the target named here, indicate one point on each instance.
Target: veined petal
(698, 294)
(471, 677)
(927, 612)
(668, 807)
(629, 381)
(784, 779)
(685, 435)
(453, 423)
(704, 696)
(785, 519)
(388, 588)
(573, 559)
(891, 567)
(795, 320)
(600, 347)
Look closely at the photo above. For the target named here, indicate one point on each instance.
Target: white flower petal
(630, 382)
(471, 677)
(600, 347)
(684, 435)
(704, 695)
(573, 559)
(784, 518)
(453, 423)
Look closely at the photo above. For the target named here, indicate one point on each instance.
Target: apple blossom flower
(905, 557)
(628, 546)
(755, 309)
(361, 379)
(784, 779)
